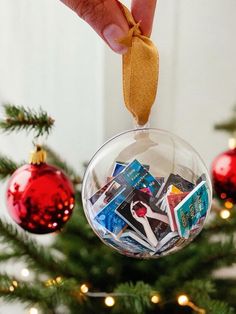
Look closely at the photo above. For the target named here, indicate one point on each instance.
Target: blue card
(129, 242)
(120, 166)
(107, 216)
(191, 209)
(136, 176)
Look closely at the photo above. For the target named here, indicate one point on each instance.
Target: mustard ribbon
(140, 71)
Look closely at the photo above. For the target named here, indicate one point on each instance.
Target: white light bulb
(109, 301)
(25, 272)
(33, 310)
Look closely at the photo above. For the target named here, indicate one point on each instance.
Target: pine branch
(20, 118)
(7, 167)
(8, 256)
(28, 293)
(136, 299)
(198, 260)
(37, 256)
(200, 291)
(219, 225)
(228, 125)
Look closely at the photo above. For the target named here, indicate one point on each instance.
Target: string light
(53, 282)
(229, 205)
(225, 214)
(109, 301)
(155, 299)
(33, 310)
(15, 283)
(183, 300)
(25, 272)
(84, 288)
(58, 279)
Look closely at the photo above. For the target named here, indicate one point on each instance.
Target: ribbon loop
(140, 71)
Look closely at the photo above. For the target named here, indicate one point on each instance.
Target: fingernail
(112, 33)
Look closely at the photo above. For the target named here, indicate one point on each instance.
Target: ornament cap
(38, 156)
(232, 142)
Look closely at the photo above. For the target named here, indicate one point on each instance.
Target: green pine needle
(38, 257)
(201, 291)
(136, 297)
(7, 167)
(228, 125)
(20, 118)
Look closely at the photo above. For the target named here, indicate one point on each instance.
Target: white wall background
(49, 58)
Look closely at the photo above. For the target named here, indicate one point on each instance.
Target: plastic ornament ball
(146, 193)
(224, 175)
(40, 198)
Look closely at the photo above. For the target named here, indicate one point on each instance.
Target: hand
(107, 18)
(142, 219)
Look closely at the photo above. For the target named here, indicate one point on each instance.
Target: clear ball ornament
(146, 193)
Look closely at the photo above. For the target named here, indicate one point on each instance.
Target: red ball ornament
(40, 198)
(224, 175)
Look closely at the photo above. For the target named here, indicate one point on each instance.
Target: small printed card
(180, 183)
(109, 191)
(163, 201)
(129, 242)
(191, 209)
(175, 184)
(136, 176)
(172, 201)
(130, 238)
(167, 243)
(120, 166)
(140, 213)
(108, 218)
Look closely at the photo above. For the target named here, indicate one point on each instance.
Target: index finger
(144, 11)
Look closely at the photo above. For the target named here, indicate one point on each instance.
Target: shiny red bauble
(224, 175)
(40, 198)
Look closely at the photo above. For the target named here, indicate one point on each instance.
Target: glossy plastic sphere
(146, 193)
(40, 198)
(224, 175)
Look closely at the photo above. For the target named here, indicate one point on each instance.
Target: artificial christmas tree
(78, 274)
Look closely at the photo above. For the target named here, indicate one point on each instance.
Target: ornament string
(140, 71)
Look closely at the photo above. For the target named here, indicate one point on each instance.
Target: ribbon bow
(140, 71)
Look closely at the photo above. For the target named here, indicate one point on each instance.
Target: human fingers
(144, 11)
(105, 17)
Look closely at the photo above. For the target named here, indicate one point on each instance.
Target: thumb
(105, 17)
